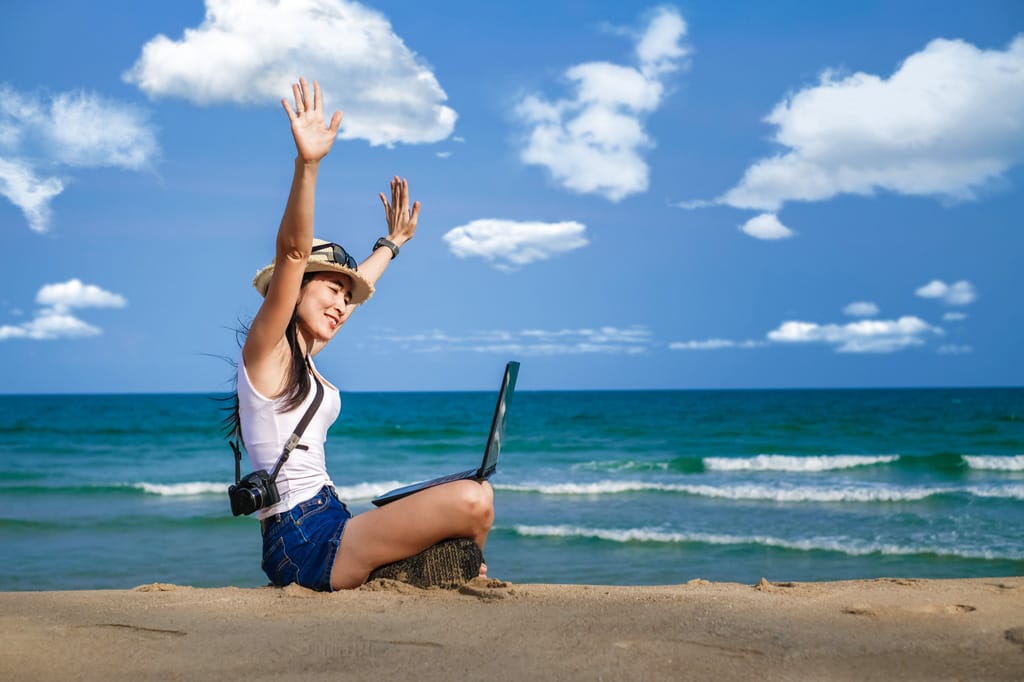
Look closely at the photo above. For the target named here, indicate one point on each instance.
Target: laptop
(490, 461)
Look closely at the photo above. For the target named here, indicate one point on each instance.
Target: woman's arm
(401, 220)
(265, 351)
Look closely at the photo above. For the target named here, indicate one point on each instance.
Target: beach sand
(886, 629)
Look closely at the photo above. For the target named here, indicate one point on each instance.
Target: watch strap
(384, 241)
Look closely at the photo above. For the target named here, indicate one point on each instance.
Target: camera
(253, 492)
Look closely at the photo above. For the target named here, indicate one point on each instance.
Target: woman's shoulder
(265, 373)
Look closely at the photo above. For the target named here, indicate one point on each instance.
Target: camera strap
(293, 440)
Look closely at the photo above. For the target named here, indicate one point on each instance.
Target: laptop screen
(508, 386)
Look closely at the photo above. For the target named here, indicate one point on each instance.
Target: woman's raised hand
(401, 218)
(312, 139)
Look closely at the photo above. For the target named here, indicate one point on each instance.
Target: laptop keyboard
(462, 475)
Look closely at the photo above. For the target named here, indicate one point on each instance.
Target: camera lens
(243, 501)
(253, 492)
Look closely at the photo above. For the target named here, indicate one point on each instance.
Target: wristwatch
(384, 241)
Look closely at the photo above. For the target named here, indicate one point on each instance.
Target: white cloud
(251, 51)
(510, 244)
(54, 321)
(949, 120)
(442, 155)
(614, 335)
(766, 226)
(530, 342)
(861, 336)
(958, 293)
(658, 48)
(27, 191)
(954, 317)
(714, 344)
(861, 309)
(864, 336)
(78, 129)
(48, 324)
(592, 143)
(954, 349)
(90, 131)
(74, 294)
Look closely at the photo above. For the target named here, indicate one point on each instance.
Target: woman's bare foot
(483, 570)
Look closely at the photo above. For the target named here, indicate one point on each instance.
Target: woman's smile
(333, 320)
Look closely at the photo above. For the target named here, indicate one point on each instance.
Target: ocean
(604, 487)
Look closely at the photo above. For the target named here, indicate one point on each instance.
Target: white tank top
(265, 431)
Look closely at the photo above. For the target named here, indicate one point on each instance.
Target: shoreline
(887, 628)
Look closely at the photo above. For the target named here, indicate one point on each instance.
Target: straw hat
(322, 260)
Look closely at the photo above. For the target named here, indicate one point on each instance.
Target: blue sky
(619, 195)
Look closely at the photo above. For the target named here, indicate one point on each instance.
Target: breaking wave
(842, 545)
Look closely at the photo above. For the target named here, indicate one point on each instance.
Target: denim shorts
(299, 545)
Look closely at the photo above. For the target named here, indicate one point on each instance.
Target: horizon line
(218, 394)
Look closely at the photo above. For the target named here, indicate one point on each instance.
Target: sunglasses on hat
(337, 255)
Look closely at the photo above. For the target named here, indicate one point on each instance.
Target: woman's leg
(410, 525)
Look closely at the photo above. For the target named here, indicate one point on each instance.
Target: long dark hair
(297, 386)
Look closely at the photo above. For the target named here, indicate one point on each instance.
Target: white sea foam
(179, 489)
(1012, 491)
(630, 465)
(843, 545)
(774, 493)
(792, 463)
(595, 488)
(997, 463)
(367, 491)
(358, 491)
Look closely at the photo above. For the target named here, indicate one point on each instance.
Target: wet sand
(887, 629)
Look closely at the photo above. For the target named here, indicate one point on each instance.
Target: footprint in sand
(870, 610)
(487, 588)
(1015, 635)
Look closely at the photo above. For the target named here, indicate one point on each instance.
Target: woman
(310, 291)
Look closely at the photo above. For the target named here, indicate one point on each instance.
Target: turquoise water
(593, 487)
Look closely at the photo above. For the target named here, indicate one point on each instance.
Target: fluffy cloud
(865, 336)
(251, 51)
(76, 129)
(958, 293)
(592, 142)
(49, 324)
(509, 244)
(54, 320)
(862, 336)
(861, 309)
(766, 226)
(531, 342)
(954, 317)
(75, 294)
(29, 192)
(946, 122)
(90, 131)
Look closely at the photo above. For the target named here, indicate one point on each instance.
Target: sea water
(113, 491)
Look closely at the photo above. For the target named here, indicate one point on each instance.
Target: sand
(888, 629)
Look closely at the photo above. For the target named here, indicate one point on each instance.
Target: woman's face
(323, 304)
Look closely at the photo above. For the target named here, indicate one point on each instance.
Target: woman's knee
(476, 503)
